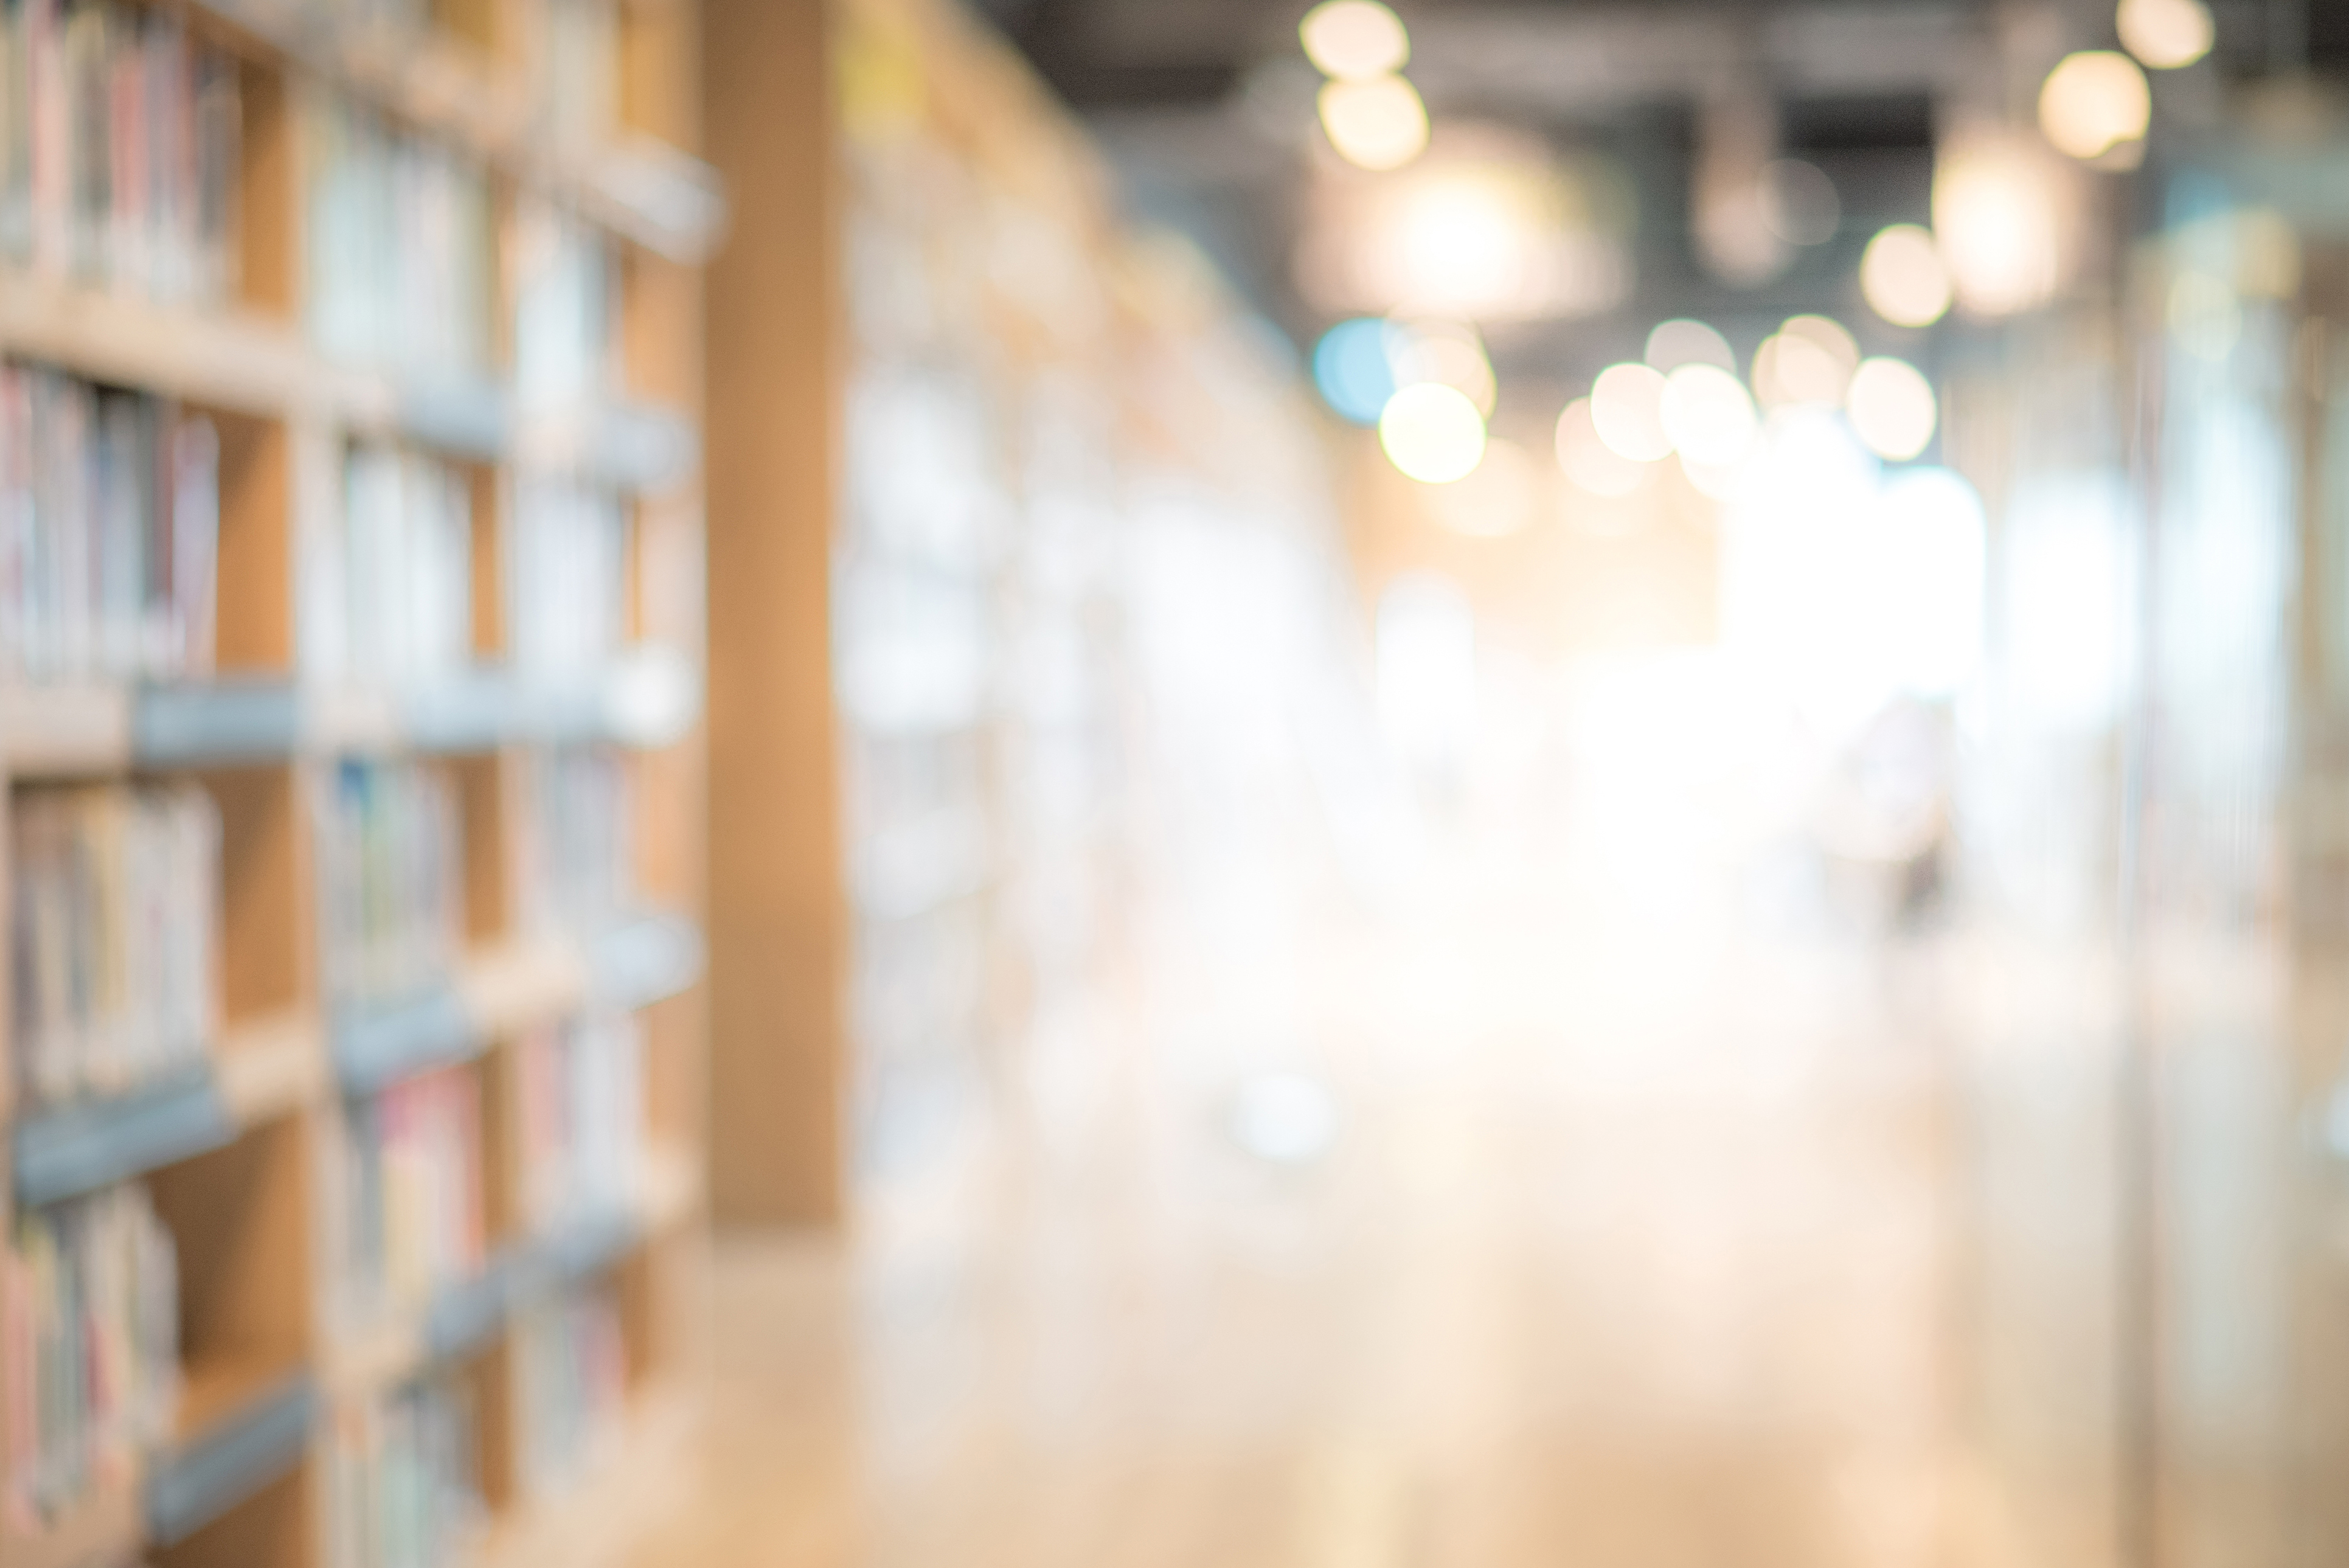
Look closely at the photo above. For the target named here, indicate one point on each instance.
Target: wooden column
(778, 909)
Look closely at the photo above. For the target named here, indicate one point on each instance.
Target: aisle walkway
(1632, 1251)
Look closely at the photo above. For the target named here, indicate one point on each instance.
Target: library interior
(1149, 783)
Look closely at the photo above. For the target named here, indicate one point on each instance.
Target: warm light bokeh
(1354, 40)
(1904, 278)
(1379, 123)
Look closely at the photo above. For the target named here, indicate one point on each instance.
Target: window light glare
(1903, 277)
(1354, 40)
(2165, 35)
(1378, 124)
(1892, 408)
(2094, 102)
(1432, 433)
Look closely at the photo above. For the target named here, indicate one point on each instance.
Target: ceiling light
(1432, 433)
(1904, 278)
(1354, 40)
(1996, 214)
(2094, 102)
(2165, 33)
(1378, 124)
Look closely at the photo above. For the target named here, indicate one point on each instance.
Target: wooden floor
(1634, 1248)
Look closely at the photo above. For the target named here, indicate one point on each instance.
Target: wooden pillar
(778, 909)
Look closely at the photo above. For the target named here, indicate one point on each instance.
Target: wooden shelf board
(644, 697)
(216, 1389)
(270, 1066)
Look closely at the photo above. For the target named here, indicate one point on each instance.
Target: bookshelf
(351, 716)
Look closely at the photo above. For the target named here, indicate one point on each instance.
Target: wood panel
(778, 915)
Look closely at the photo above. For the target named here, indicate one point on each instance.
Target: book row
(91, 1354)
(402, 1477)
(571, 1384)
(390, 890)
(119, 150)
(416, 1219)
(109, 519)
(115, 913)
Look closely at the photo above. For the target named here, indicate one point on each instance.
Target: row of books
(389, 879)
(116, 909)
(400, 242)
(393, 600)
(403, 1478)
(119, 150)
(566, 559)
(110, 522)
(91, 1354)
(567, 300)
(571, 1385)
(578, 838)
(415, 1219)
(579, 1117)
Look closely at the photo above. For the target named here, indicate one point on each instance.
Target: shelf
(245, 363)
(241, 1431)
(79, 1148)
(463, 1316)
(652, 193)
(651, 697)
(633, 963)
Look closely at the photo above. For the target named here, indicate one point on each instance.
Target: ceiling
(1206, 108)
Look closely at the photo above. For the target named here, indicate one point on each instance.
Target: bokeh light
(1432, 433)
(2166, 34)
(1683, 342)
(1448, 353)
(1498, 497)
(1904, 278)
(1593, 465)
(1377, 124)
(1708, 415)
(1807, 362)
(1892, 408)
(1627, 410)
(1351, 371)
(2094, 102)
(1354, 40)
(1996, 214)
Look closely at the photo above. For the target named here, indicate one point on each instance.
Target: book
(415, 1222)
(91, 1354)
(109, 532)
(570, 1386)
(391, 589)
(402, 1487)
(567, 577)
(120, 143)
(579, 1117)
(575, 839)
(115, 911)
(398, 245)
(565, 281)
(389, 879)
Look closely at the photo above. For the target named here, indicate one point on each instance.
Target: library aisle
(1621, 1251)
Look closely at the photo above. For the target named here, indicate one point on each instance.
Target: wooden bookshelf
(238, 1151)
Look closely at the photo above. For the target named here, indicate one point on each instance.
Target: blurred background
(1082, 782)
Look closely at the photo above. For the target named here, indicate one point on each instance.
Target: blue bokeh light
(1351, 368)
